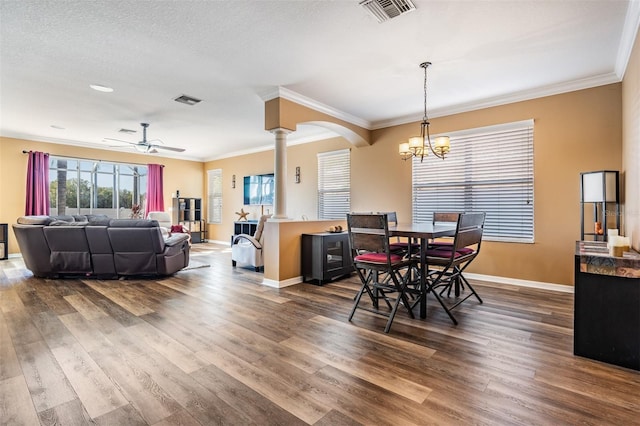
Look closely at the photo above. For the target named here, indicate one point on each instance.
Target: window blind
(334, 184)
(214, 196)
(489, 169)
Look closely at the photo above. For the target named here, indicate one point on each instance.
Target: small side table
(325, 256)
(4, 241)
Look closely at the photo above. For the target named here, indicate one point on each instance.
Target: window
(334, 184)
(489, 169)
(214, 196)
(79, 186)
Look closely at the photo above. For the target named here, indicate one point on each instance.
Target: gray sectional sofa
(94, 245)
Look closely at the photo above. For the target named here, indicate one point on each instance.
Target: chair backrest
(368, 232)
(445, 217)
(260, 228)
(469, 230)
(163, 218)
(392, 218)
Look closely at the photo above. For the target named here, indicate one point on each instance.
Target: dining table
(424, 232)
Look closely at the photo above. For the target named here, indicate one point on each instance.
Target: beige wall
(631, 145)
(301, 198)
(574, 132)
(187, 176)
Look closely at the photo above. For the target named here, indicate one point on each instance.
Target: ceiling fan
(149, 147)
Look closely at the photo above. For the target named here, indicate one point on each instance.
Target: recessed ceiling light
(54, 126)
(100, 88)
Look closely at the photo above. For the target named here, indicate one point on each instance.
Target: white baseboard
(479, 277)
(280, 284)
(522, 283)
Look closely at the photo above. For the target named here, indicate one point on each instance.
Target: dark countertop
(595, 259)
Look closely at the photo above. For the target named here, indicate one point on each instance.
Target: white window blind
(489, 169)
(214, 195)
(334, 184)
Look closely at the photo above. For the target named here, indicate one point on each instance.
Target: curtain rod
(24, 151)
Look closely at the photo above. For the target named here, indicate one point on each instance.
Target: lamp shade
(599, 187)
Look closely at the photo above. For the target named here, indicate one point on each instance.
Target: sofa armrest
(238, 238)
(176, 239)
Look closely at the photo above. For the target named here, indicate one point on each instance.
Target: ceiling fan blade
(119, 140)
(168, 148)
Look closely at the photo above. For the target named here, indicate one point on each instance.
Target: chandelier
(419, 146)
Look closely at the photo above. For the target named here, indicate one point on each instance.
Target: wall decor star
(242, 215)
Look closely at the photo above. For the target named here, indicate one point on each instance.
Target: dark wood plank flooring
(210, 345)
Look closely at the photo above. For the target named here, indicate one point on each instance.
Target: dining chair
(453, 260)
(372, 258)
(444, 218)
(396, 244)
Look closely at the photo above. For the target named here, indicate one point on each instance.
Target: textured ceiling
(229, 54)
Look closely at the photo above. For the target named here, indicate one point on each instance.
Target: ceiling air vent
(189, 100)
(128, 131)
(384, 10)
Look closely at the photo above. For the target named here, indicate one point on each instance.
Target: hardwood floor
(210, 345)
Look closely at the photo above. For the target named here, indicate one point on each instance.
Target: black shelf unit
(4, 241)
(325, 256)
(188, 213)
(599, 202)
(248, 227)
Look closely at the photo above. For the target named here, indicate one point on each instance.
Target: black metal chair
(372, 258)
(396, 244)
(440, 218)
(451, 261)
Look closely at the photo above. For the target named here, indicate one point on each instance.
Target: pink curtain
(37, 184)
(155, 199)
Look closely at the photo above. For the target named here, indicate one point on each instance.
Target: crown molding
(291, 141)
(628, 37)
(554, 89)
(283, 92)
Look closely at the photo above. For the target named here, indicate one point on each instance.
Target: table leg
(423, 278)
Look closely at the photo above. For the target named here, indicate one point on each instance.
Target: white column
(280, 203)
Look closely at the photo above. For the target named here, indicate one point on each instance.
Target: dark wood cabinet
(607, 316)
(188, 213)
(325, 256)
(4, 241)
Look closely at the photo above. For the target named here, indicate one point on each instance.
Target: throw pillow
(176, 228)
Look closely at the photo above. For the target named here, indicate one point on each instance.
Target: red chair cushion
(442, 253)
(377, 258)
(465, 251)
(447, 246)
(177, 229)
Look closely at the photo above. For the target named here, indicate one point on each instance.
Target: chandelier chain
(425, 118)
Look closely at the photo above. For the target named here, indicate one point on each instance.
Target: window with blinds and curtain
(334, 184)
(489, 169)
(214, 196)
(87, 186)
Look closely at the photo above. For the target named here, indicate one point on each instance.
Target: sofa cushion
(133, 223)
(63, 223)
(34, 220)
